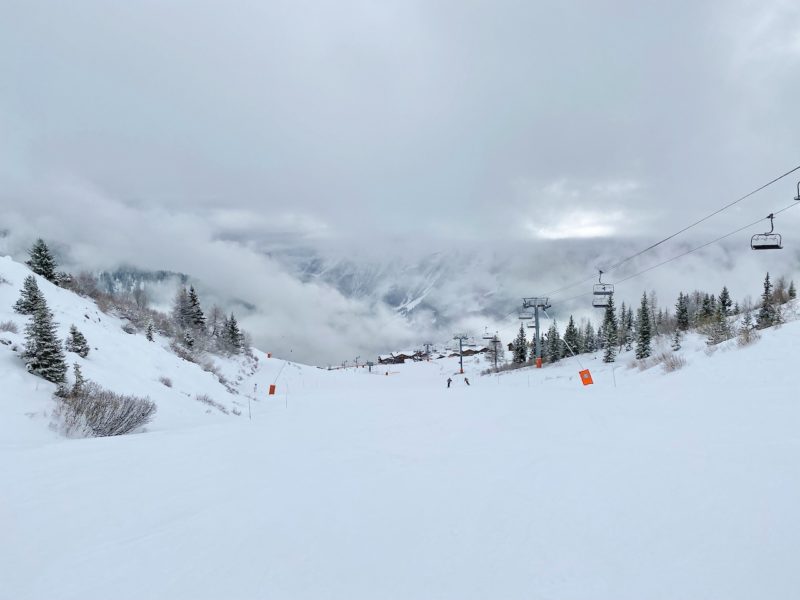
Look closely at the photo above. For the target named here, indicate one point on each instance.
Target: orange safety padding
(538, 362)
(586, 377)
(271, 389)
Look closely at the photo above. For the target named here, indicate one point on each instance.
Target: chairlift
(768, 240)
(525, 315)
(602, 293)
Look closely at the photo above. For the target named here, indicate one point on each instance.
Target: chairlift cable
(677, 233)
(687, 252)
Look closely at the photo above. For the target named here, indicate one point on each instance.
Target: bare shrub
(166, 381)
(89, 410)
(129, 328)
(206, 399)
(747, 337)
(183, 352)
(9, 326)
(670, 361)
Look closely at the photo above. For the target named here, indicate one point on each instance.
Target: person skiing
(449, 381)
(466, 380)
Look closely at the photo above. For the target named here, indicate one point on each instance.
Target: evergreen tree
(79, 380)
(188, 339)
(627, 340)
(572, 337)
(720, 328)
(43, 355)
(232, 337)
(610, 332)
(30, 297)
(181, 309)
(682, 312)
(76, 342)
(41, 261)
(623, 330)
(195, 315)
(553, 346)
(150, 332)
(725, 303)
(643, 331)
(767, 313)
(792, 291)
(520, 347)
(589, 340)
(676, 340)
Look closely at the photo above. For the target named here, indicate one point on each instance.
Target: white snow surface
(349, 484)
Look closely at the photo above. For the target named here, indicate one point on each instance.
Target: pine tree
(150, 332)
(682, 312)
(676, 340)
(232, 336)
(188, 339)
(725, 303)
(43, 355)
(41, 261)
(792, 291)
(589, 340)
(623, 330)
(520, 347)
(79, 379)
(195, 314)
(181, 310)
(766, 314)
(553, 344)
(610, 332)
(76, 342)
(572, 337)
(643, 331)
(30, 297)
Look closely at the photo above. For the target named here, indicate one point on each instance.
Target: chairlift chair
(769, 240)
(602, 293)
(525, 315)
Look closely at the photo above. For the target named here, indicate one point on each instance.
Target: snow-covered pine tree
(520, 347)
(215, 319)
(610, 332)
(643, 329)
(553, 346)
(77, 386)
(589, 339)
(41, 261)
(30, 297)
(630, 332)
(195, 313)
(188, 339)
(682, 312)
(792, 291)
(623, 330)
(572, 337)
(43, 354)
(181, 312)
(150, 332)
(780, 295)
(76, 342)
(767, 313)
(747, 333)
(676, 340)
(232, 336)
(725, 303)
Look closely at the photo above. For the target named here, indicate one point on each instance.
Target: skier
(466, 380)
(449, 381)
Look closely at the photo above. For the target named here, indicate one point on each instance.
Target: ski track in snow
(350, 485)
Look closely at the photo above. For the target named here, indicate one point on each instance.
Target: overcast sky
(190, 135)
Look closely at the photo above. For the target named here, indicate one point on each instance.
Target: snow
(351, 484)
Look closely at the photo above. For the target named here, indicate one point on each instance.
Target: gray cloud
(212, 139)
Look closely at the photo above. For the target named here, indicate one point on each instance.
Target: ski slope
(350, 484)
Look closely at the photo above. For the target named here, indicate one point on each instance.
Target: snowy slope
(350, 484)
(122, 362)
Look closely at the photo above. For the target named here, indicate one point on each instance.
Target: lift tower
(536, 304)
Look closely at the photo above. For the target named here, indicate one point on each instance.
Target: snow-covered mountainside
(388, 484)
